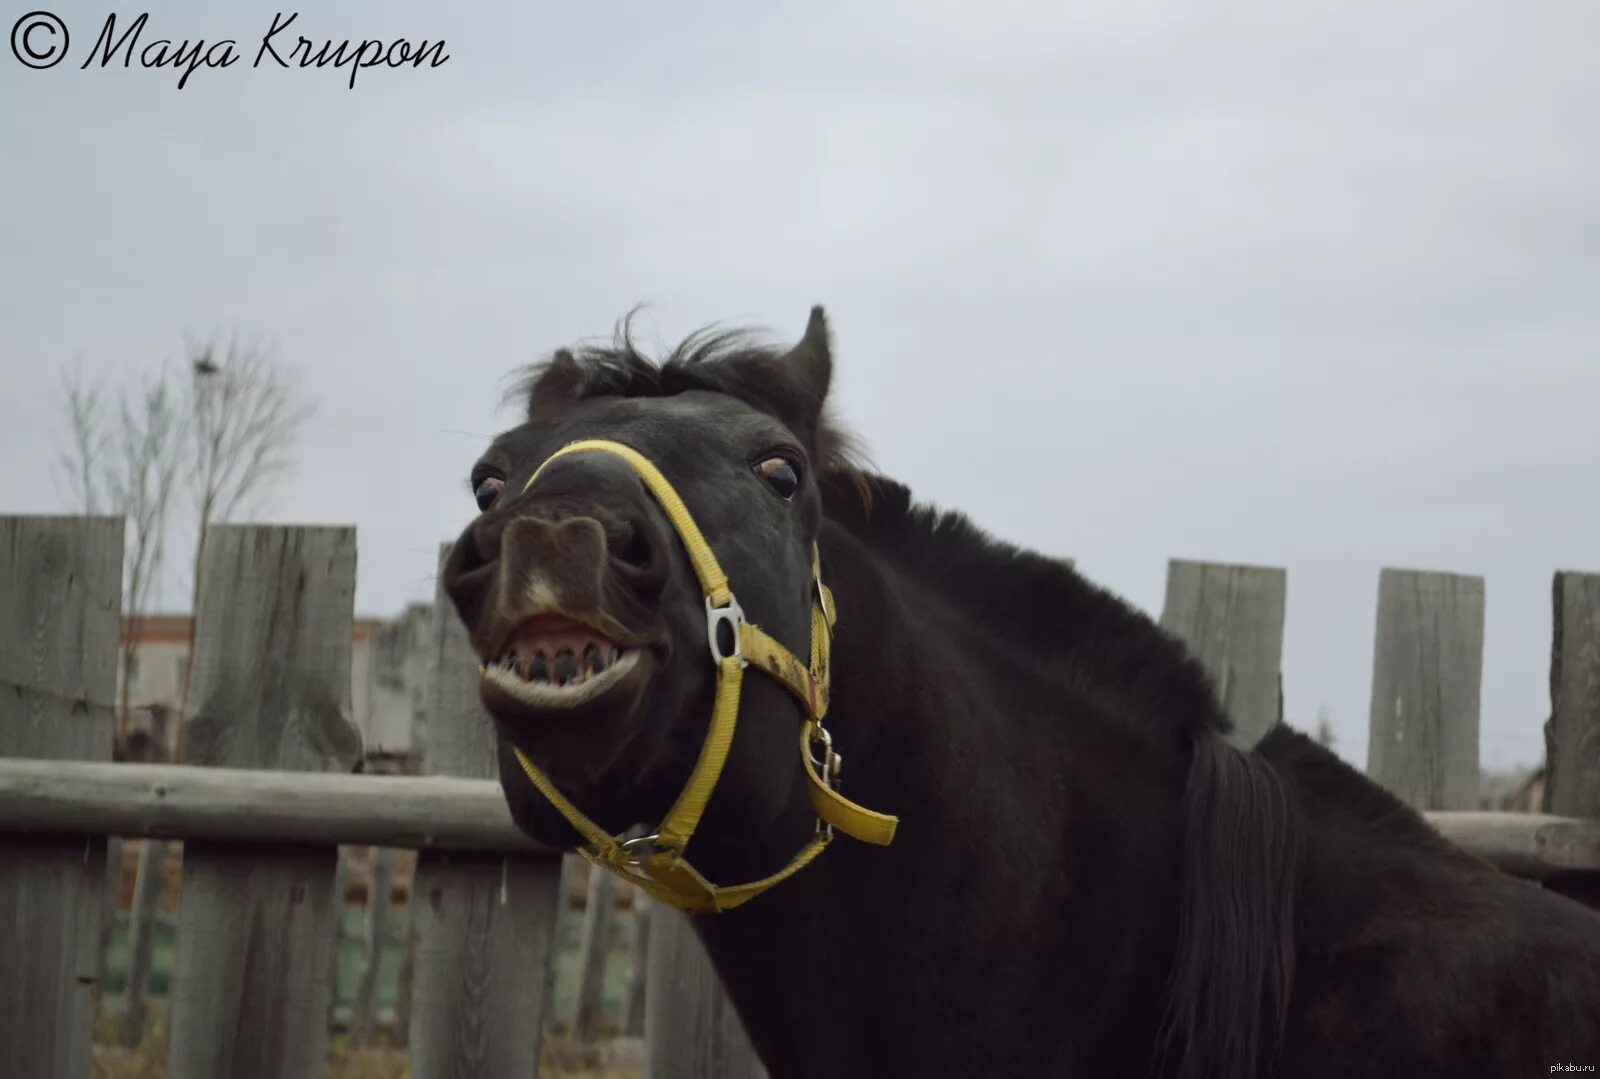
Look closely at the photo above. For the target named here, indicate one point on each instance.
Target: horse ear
(807, 371)
(556, 381)
(812, 358)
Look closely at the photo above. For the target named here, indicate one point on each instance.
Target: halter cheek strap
(655, 862)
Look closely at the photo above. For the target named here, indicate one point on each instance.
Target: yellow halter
(655, 862)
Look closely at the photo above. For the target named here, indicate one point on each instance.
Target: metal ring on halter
(829, 766)
(628, 846)
(819, 733)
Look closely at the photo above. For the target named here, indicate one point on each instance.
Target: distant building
(1518, 791)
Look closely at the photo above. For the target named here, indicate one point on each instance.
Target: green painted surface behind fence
(352, 959)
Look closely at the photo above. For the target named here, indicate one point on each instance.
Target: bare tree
(146, 449)
(244, 413)
(87, 443)
(229, 429)
(126, 463)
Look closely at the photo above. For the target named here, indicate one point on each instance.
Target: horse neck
(994, 789)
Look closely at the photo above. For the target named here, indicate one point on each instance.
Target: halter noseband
(655, 862)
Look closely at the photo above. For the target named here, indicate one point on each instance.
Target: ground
(559, 1058)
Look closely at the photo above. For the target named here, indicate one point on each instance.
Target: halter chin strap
(655, 862)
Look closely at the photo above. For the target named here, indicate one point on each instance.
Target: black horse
(1087, 880)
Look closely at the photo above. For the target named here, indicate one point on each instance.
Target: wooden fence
(267, 796)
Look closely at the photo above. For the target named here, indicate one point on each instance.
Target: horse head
(646, 534)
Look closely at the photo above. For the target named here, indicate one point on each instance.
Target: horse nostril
(635, 550)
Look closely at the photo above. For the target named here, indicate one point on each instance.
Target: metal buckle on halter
(830, 765)
(733, 617)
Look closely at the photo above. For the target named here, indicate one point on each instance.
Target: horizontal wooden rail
(1534, 845)
(175, 801)
(439, 812)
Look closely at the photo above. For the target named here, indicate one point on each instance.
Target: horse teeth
(565, 666)
(570, 667)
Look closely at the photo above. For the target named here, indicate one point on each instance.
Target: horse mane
(1087, 637)
(1232, 977)
(1241, 832)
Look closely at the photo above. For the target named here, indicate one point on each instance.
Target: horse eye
(780, 475)
(488, 488)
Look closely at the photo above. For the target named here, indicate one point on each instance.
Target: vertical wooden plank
(271, 688)
(1427, 674)
(1572, 734)
(364, 1009)
(338, 893)
(633, 1002)
(401, 651)
(485, 924)
(141, 939)
(1231, 618)
(406, 978)
(593, 946)
(691, 1027)
(108, 915)
(60, 621)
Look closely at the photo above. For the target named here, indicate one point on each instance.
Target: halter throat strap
(655, 863)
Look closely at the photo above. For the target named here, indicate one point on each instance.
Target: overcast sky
(1311, 285)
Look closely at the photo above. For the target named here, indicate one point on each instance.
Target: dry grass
(559, 1057)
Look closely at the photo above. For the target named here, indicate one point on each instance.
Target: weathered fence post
(633, 1001)
(599, 914)
(1231, 618)
(691, 1030)
(271, 689)
(1572, 734)
(1427, 673)
(485, 924)
(60, 621)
